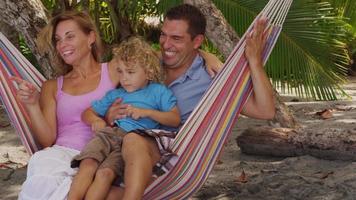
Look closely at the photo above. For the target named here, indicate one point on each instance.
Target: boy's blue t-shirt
(154, 96)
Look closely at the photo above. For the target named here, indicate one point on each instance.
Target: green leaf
(310, 57)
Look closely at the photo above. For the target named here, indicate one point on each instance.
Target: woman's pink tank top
(71, 131)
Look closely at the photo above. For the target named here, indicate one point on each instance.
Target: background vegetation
(312, 58)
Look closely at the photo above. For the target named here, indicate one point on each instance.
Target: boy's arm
(169, 118)
(90, 117)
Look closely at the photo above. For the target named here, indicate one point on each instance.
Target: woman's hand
(213, 64)
(255, 43)
(116, 111)
(27, 92)
(98, 125)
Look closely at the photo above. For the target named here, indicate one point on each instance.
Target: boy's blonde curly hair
(136, 51)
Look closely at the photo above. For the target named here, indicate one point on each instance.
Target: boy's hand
(135, 113)
(98, 125)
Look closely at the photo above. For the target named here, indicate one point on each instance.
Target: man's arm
(261, 103)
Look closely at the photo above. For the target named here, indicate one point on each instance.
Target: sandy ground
(303, 177)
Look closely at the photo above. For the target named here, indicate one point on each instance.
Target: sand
(303, 177)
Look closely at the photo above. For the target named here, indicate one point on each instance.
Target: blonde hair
(136, 50)
(47, 44)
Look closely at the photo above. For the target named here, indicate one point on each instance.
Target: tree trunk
(218, 30)
(283, 117)
(223, 36)
(9, 31)
(27, 17)
(330, 144)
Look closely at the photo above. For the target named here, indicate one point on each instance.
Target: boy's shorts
(105, 148)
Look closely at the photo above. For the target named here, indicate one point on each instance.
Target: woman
(55, 113)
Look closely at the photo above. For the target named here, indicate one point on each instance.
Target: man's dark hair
(192, 15)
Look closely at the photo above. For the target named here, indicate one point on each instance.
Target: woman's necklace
(84, 76)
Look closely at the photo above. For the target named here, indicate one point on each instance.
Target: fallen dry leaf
(4, 125)
(219, 162)
(4, 166)
(242, 178)
(324, 175)
(325, 114)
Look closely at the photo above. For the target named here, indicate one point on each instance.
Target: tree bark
(27, 17)
(330, 144)
(223, 36)
(283, 117)
(218, 30)
(9, 31)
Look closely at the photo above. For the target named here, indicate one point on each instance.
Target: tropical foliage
(312, 55)
(346, 10)
(116, 19)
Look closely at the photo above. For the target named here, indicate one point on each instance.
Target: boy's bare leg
(99, 189)
(140, 155)
(83, 179)
(115, 193)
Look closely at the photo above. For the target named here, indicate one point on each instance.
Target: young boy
(150, 103)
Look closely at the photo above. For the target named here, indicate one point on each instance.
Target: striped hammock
(202, 137)
(13, 63)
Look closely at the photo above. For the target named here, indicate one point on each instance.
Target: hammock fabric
(202, 137)
(14, 64)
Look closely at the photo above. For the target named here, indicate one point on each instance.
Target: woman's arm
(48, 106)
(213, 64)
(90, 117)
(42, 109)
(170, 118)
(261, 103)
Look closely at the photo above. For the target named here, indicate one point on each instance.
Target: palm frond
(347, 9)
(310, 57)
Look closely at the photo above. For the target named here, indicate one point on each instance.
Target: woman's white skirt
(49, 174)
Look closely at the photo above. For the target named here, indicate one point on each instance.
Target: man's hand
(116, 111)
(255, 43)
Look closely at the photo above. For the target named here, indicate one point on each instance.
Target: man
(181, 36)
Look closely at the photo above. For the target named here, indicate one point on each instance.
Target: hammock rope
(200, 140)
